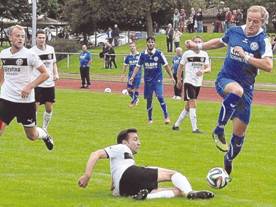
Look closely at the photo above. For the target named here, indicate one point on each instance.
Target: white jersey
(194, 62)
(48, 57)
(121, 158)
(18, 72)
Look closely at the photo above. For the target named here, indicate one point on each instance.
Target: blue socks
(163, 106)
(234, 150)
(227, 109)
(135, 97)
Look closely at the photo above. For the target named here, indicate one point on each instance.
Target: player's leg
(47, 115)
(148, 92)
(2, 127)
(82, 74)
(232, 93)
(26, 115)
(7, 113)
(182, 115)
(182, 183)
(239, 129)
(87, 76)
(193, 116)
(136, 85)
(160, 97)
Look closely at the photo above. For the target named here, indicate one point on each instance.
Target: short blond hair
(15, 27)
(262, 10)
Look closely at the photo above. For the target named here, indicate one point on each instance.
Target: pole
(34, 7)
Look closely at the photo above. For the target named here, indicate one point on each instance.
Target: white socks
(46, 119)
(181, 182)
(41, 133)
(161, 194)
(181, 117)
(193, 118)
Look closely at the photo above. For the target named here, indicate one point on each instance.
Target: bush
(65, 45)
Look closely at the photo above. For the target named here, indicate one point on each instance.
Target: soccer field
(84, 121)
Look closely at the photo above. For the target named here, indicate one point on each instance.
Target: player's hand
(199, 73)
(26, 91)
(238, 50)
(122, 78)
(83, 181)
(190, 44)
(56, 77)
(131, 80)
(173, 81)
(179, 84)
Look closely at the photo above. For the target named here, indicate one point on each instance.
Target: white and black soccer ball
(107, 90)
(217, 178)
(125, 92)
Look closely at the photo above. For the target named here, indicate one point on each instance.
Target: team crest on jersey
(49, 56)
(254, 46)
(19, 61)
(155, 59)
(202, 59)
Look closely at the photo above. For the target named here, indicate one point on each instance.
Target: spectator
(176, 61)
(109, 35)
(199, 20)
(116, 35)
(228, 16)
(182, 20)
(169, 35)
(112, 57)
(176, 38)
(85, 61)
(239, 17)
(176, 17)
(274, 21)
(220, 18)
(104, 54)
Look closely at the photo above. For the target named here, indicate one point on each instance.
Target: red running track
(206, 93)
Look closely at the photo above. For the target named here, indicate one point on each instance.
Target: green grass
(83, 122)
(98, 67)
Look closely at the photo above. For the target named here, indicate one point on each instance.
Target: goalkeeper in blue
(248, 50)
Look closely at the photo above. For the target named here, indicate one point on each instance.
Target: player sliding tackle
(248, 49)
(138, 182)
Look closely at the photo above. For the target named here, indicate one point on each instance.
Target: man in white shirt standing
(17, 90)
(45, 92)
(196, 63)
(129, 179)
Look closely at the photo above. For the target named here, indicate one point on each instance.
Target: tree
(16, 9)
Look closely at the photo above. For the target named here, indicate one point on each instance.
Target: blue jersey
(85, 57)
(176, 62)
(152, 64)
(237, 68)
(132, 61)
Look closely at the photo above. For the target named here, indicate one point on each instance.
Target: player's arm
(94, 157)
(211, 44)
(1, 75)
(169, 71)
(55, 71)
(41, 78)
(135, 71)
(179, 75)
(264, 63)
(124, 72)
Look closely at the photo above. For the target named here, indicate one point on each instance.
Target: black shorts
(190, 91)
(24, 112)
(137, 178)
(43, 95)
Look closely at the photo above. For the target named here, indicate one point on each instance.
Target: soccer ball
(107, 90)
(217, 178)
(125, 92)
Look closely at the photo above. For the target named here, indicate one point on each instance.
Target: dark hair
(197, 37)
(123, 135)
(40, 32)
(150, 38)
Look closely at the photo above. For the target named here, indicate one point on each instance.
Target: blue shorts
(151, 87)
(243, 109)
(135, 84)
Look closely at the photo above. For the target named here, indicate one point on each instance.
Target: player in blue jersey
(248, 50)
(130, 61)
(152, 60)
(176, 61)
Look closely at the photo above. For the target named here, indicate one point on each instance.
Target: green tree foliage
(49, 7)
(16, 9)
